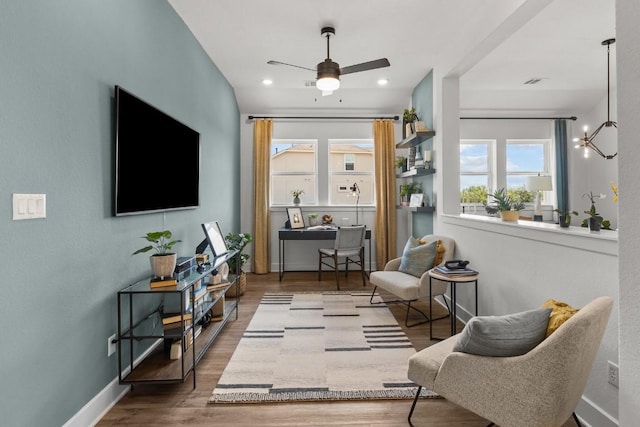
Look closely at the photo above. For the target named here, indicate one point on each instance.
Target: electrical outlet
(112, 344)
(612, 373)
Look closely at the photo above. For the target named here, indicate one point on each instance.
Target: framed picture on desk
(295, 217)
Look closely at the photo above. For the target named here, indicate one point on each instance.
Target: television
(157, 159)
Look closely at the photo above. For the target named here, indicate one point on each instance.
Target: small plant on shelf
(564, 217)
(595, 220)
(161, 242)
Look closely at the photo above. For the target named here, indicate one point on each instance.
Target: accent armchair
(408, 288)
(540, 388)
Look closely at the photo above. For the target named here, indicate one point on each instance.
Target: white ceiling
(495, 45)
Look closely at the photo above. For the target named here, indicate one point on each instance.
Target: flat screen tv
(157, 159)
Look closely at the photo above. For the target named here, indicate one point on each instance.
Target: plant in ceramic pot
(313, 219)
(595, 219)
(296, 196)
(409, 116)
(401, 163)
(508, 207)
(237, 242)
(564, 217)
(406, 190)
(163, 262)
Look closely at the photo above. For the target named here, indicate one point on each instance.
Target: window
(351, 162)
(476, 172)
(293, 167)
(527, 158)
(480, 172)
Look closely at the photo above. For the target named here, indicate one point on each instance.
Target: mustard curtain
(385, 176)
(262, 131)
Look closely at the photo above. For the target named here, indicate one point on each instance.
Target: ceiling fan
(329, 72)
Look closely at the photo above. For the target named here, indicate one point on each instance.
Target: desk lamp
(355, 191)
(538, 184)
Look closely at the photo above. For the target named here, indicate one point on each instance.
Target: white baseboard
(97, 407)
(106, 399)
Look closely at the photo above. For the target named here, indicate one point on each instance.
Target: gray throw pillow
(417, 258)
(504, 336)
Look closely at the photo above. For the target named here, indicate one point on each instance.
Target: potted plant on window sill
(595, 219)
(504, 204)
(163, 262)
(296, 196)
(564, 217)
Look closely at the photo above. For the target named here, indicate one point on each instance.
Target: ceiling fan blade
(327, 92)
(290, 65)
(371, 65)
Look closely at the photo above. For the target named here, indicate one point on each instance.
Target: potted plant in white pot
(163, 262)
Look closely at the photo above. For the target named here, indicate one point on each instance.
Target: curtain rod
(519, 118)
(325, 118)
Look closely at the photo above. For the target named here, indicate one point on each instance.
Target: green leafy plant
(592, 212)
(410, 115)
(502, 201)
(409, 189)
(401, 161)
(566, 215)
(161, 242)
(237, 242)
(313, 215)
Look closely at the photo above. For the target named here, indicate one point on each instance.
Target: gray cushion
(417, 258)
(504, 336)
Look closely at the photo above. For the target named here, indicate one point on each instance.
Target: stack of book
(164, 282)
(175, 320)
(441, 269)
(199, 297)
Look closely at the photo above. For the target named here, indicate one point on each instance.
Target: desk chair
(349, 244)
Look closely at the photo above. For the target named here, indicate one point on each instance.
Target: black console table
(285, 234)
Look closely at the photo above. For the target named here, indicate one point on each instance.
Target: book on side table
(441, 269)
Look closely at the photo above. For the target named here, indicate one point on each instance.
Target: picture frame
(295, 218)
(416, 200)
(215, 238)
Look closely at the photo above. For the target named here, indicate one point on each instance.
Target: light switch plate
(29, 206)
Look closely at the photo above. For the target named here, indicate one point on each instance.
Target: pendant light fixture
(586, 142)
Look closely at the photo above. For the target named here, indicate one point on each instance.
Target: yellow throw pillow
(440, 250)
(560, 313)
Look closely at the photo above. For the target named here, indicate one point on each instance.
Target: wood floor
(181, 404)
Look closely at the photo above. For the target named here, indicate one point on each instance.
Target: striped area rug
(318, 346)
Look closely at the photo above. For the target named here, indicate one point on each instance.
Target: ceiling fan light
(328, 83)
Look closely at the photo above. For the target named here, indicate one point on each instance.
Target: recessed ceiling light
(267, 82)
(382, 82)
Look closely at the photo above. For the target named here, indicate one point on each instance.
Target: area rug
(319, 346)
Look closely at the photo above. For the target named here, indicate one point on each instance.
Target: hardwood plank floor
(177, 405)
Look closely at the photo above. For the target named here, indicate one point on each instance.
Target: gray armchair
(538, 389)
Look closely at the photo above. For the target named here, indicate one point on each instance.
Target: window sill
(605, 241)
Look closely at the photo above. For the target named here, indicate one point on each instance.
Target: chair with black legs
(348, 249)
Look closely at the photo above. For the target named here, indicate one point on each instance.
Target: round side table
(454, 281)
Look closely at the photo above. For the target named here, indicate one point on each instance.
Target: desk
(285, 234)
(453, 284)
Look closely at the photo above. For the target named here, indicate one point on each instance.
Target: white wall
(520, 267)
(628, 64)
(304, 255)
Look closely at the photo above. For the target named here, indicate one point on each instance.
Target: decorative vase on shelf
(296, 201)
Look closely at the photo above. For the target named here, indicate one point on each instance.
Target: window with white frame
(351, 165)
(294, 167)
(477, 175)
(525, 158)
(481, 173)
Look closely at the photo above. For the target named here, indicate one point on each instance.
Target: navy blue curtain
(562, 176)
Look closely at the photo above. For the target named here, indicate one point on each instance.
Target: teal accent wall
(60, 62)
(422, 99)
